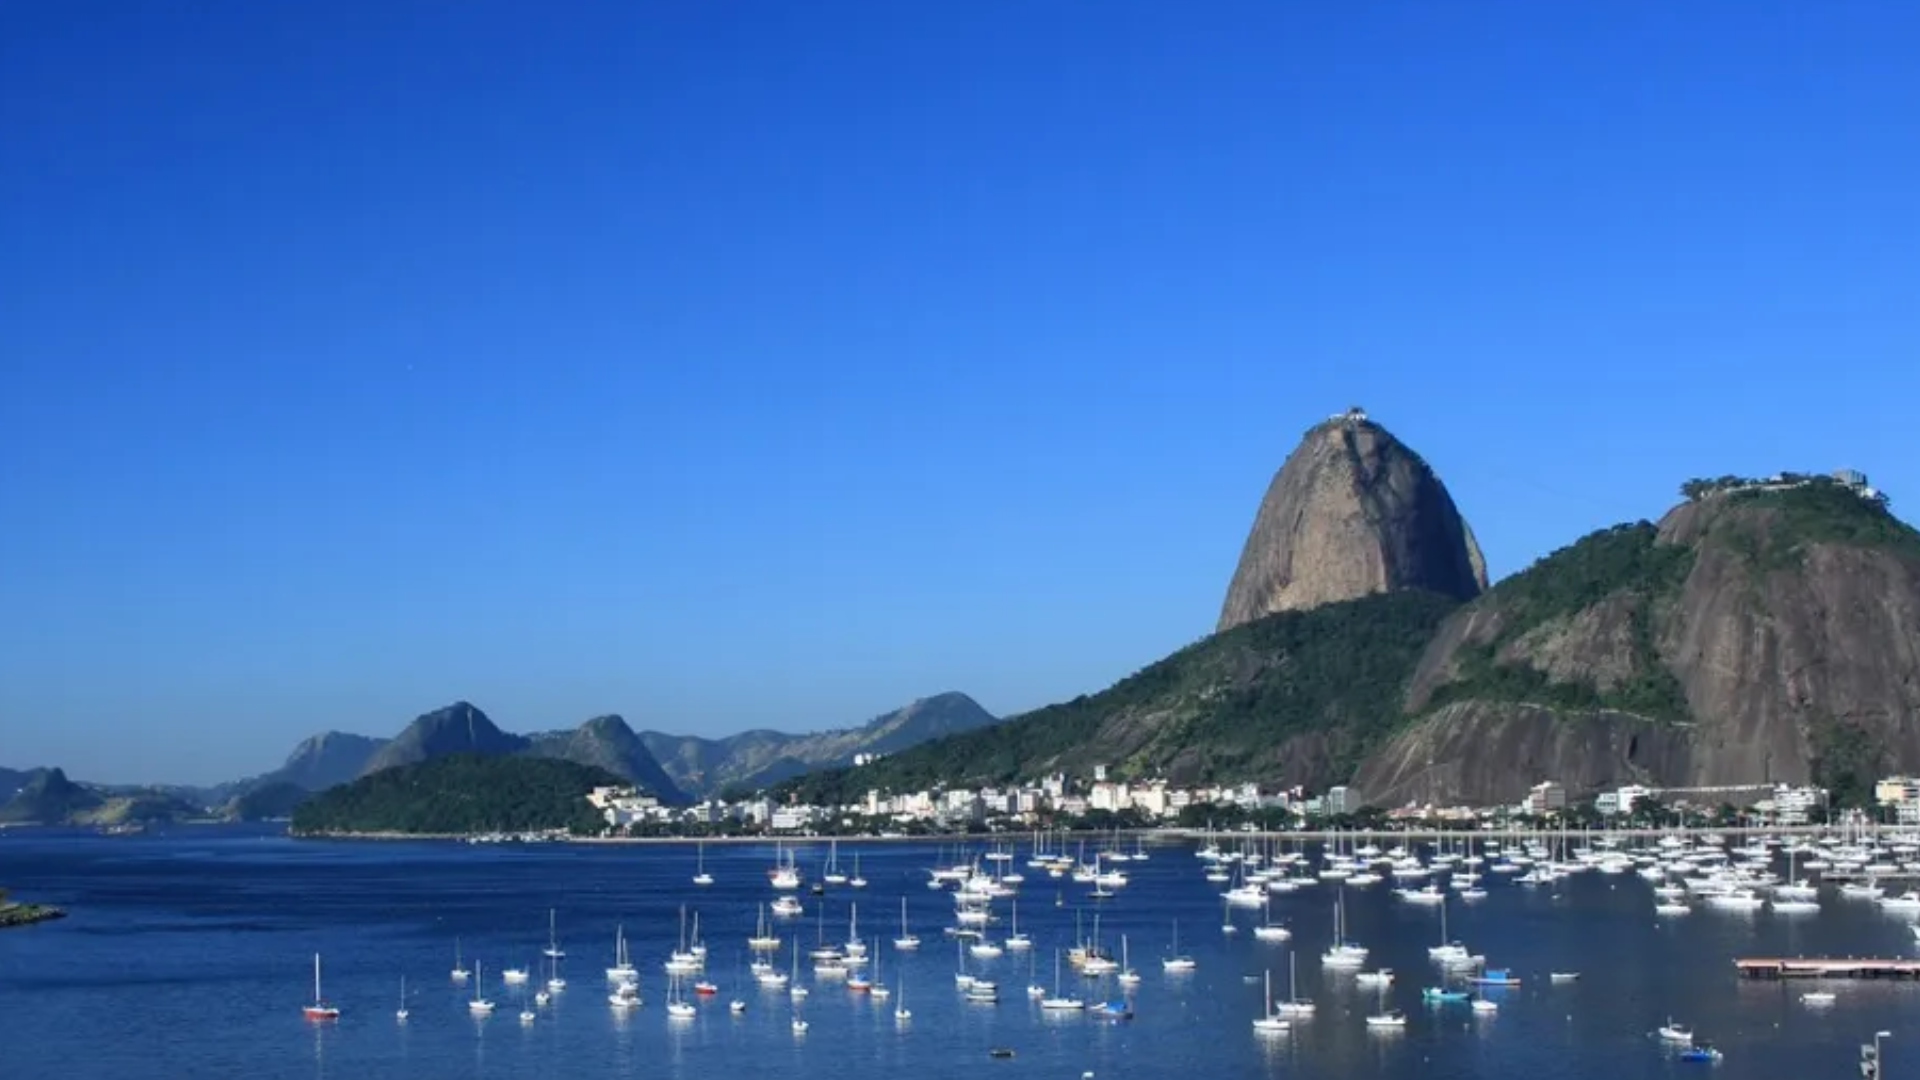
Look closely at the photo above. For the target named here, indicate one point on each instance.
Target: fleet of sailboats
(976, 884)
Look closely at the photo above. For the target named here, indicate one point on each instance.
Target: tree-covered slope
(460, 793)
(1295, 697)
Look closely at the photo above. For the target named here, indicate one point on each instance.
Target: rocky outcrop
(1352, 512)
(326, 759)
(1754, 637)
(607, 743)
(458, 728)
(1497, 751)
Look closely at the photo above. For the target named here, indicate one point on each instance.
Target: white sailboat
(900, 1011)
(401, 1012)
(1128, 976)
(856, 881)
(553, 937)
(1178, 961)
(622, 969)
(833, 876)
(1060, 1002)
(906, 940)
(794, 989)
(1342, 953)
(1295, 1005)
(700, 875)
(1270, 1022)
(1270, 930)
(479, 1006)
(678, 1007)
(1018, 941)
(320, 1008)
(459, 972)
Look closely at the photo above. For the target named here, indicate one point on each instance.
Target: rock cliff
(1353, 511)
(1769, 633)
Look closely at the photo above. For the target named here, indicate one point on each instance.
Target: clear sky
(773, 363)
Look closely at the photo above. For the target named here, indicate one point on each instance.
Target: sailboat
(1270, 930)
(877, 989)
(794, 989)
(622, 969)
(1178, 961)
(1295, 1005)
(459, 972)
(700, 875)
(1270, 1022)
(906, 940)
(763, 939)
(1128, 976)
(1448, 952)
(1342, 953)
(1060, 1002)
(401, 1012)
(1018, 941)
(479, 1006)
(683, 959)
(1385, 1018)
(856, 881)
(320, 1009)
(900, 1011)
(555, 983)
(677, 1006)
(833, 876)
(553, 937)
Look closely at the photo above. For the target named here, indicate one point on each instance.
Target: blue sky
(744, 364)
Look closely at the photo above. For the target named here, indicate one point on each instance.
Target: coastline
(1168, 836)
(28, 914)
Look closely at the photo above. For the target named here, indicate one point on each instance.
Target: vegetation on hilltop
(1222, 709)
(1823, 513)
(461, 793)
(1624, 561)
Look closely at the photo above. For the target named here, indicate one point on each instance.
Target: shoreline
(29, 914)
(1149, 836)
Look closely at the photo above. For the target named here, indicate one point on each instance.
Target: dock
(1808, 967)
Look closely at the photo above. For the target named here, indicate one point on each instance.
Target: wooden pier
(1808, 967)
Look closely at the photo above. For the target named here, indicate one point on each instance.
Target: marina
(1115, 954)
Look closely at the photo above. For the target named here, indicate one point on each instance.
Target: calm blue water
(189, 955)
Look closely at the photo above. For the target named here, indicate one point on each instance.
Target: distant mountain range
(677, 769)
(755, 759)
(47, 797)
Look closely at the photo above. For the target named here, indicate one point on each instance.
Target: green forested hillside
(460, 793)
(1298, 694)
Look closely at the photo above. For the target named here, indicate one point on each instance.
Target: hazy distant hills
(677, 769)
(326, 759)
(47, 797)
(754, 759)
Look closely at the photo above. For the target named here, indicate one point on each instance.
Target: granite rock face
(1751, 638)
(1352, 512)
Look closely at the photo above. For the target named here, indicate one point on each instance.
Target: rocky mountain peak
(1353, 511)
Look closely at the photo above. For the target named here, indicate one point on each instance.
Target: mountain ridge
(1759, 632)
(760, 757)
